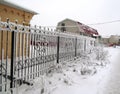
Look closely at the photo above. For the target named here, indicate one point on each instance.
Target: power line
(105, 22)
(108, 22)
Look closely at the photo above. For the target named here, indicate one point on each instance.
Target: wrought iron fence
(28, 52)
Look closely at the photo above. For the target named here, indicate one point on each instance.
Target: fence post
(1, 58)
(12, 60)
(75, 46)
(58, 42)
(85, 45)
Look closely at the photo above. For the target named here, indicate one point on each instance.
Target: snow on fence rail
(28, 52)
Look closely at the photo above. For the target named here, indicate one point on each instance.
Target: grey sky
(85, 11)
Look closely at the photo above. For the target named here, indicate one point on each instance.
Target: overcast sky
(84, 11)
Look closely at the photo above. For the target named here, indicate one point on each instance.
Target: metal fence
(28, 52)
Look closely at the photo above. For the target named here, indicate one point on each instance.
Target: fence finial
(23, 26)
(35, 27)
(29, 26)
(16, 21)
(23, 23)
(48, 28)
(8, 22)
(39, 29)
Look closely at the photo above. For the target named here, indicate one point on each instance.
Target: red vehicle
(113, 44)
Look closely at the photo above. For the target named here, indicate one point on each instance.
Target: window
(63, 29)
(119, 41)
(63, 24)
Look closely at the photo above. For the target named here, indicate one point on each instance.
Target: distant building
(13, 12)
(112, 40)
(69, 25)
(105, 41)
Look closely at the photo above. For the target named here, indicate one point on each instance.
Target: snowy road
(113, 77)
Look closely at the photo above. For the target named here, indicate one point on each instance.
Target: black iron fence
(28, 52)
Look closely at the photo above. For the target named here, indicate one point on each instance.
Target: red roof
(88, 29)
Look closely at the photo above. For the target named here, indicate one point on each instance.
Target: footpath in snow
(112, 78)
(68, 78)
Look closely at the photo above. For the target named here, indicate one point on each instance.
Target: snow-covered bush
(88, 70)
(97, 56)
(100, 53)
(59, 68)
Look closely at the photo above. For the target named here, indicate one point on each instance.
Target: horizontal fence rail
(28, 52)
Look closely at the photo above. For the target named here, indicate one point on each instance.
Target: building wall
(114, 39)
(69, 23)
(105, 41)
(72, 26)
(13, 14)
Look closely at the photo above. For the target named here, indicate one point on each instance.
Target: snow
(101, 78)
(112, 85)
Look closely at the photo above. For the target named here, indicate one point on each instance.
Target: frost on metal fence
(4, 57)
(28, 52)
(66, 47)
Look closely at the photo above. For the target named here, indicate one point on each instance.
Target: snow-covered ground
(111, 81)
(67, 78)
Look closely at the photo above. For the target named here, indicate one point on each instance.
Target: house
(105, 40)
(114, 39)
(111, 40)
(13, 12)
(69, 25)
